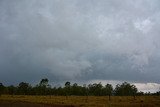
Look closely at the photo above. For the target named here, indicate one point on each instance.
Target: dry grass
(91, 101)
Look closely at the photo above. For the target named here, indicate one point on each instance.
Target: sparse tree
(43, 87)
(67, 88)
(44, 82)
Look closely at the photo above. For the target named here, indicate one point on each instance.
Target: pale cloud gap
(144, 87)
(80, 40)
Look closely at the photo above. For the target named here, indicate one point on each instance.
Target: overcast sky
(80, 40)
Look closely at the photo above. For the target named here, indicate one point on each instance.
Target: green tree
(11, 89)
(44, 82)
(24, 88)
(95, 89)
(67, 88)
(43, 88)
(108, 90)
(125, 89)
(67, 84)
(1, 88)
(74, 89)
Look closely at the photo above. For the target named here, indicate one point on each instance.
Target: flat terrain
(78, 101)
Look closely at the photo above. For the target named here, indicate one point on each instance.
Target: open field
(78, 101)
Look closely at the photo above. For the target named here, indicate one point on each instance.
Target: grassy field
(90, 101)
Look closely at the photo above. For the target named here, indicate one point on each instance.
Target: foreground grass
(90, 101)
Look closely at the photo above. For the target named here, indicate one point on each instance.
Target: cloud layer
(79, 40)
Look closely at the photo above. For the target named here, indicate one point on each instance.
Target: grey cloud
(78, 39)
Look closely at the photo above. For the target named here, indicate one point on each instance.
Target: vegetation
(95, 89)
(125, 89)
(92, 95)
(1, 88)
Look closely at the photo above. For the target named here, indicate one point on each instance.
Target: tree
(108, 90)
(43, 88)
(67, 84)
(12, 90)
(125, 89)
(1, 88)
(74, 89)
(95, 89)
(158, 93)
(140, 93)
(67, 88)
(23, 88)
(44, 82)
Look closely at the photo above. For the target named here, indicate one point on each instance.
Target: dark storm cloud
(79, 39)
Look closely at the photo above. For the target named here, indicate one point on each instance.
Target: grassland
(90, 101)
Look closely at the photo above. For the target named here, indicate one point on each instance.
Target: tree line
(95, 89)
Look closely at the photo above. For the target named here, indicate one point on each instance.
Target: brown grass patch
(81, 101)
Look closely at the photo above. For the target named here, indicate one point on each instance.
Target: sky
(81, 41)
